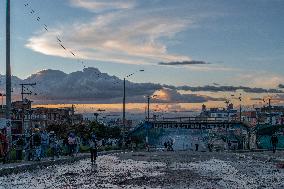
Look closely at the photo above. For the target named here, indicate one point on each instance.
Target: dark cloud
(211, 88)
(256, 99)
(182, 63)
(92, 86)
(281, 86)
(173, 96)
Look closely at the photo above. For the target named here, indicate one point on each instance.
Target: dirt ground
(188, 169)
(181, 169)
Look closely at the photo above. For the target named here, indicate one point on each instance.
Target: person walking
(274, 142)
(93, 148)
(71, 144)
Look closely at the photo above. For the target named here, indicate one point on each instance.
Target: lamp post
(148, 105)
(123, 108)
(8, 76)
(148, 119)
(240, 99)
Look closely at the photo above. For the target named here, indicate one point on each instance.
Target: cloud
(102, 5)
(182, 63)
(92, 86)
(173, 96)
(281, 86)
(279, 98)
(261, 79)
(211, 88)
(131, 37)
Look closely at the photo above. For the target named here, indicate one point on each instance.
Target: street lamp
(123, 114)
(148, 105)
(240, 99)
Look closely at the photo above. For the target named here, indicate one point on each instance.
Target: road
(184, 169)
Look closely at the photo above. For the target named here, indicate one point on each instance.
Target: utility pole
(148, 100)
(270, 112)
(8, 76)
(123, 115)
(240, 98)
(148, 105)
(123, 108)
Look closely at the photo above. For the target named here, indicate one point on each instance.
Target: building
(273, 115)
(220, 114)
(24, 117)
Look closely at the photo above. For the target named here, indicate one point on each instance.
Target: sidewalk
(11, 168)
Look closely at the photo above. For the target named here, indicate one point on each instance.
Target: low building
(220, 114)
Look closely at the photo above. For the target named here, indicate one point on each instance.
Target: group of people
(40, 144)
(37, 144)
(169, 145)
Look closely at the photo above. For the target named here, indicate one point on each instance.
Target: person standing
(93, 148)
(196, 147)
(28, 148)
(53, 145)
(19, 148)
(274, 142)
(37, 144)
(44, 143)
(71, 143)
(77, 144)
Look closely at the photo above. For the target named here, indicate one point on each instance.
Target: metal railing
(195, 119)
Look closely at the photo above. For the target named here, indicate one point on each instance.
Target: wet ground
(159, 170)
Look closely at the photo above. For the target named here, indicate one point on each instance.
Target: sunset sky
(185, 42)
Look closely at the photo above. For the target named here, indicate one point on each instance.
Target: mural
(186, 139)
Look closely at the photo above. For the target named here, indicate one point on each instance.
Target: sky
(194, 43)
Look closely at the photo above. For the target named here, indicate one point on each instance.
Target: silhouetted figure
(196, 147)
(210, 147)
(19, 148)
(170, 145)
(274, 142)
(166, 145)
(93, 148)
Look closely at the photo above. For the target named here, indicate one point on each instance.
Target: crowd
(42, 144)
